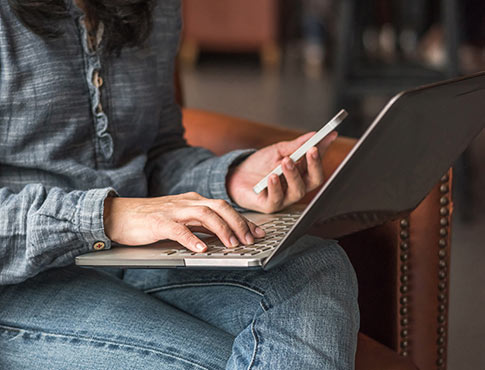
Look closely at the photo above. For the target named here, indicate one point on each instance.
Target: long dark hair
(126, 22)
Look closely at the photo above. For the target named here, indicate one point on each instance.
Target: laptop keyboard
(275, 229)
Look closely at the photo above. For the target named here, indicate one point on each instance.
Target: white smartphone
(301, 151)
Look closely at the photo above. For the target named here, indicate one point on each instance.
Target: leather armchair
(402, 266)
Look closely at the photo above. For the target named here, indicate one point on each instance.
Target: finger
(199, 229)
(325, 143)
(285, 148)
(257, 231)
(275, 194)
(296, 188)
(314, 176)
(209, 219)
(236, 222)
(181, 234)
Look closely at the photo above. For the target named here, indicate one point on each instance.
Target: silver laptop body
(409, 146)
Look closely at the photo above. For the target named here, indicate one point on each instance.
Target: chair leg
(189, 53)
(270, 55)
(449, 10)
(343, 53)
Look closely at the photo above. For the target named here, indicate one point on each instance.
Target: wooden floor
(288, 98)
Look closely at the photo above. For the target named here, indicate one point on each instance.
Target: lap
(178, 319)
(97, 321)
(228, 299)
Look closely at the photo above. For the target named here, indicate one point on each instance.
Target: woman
(89, 130)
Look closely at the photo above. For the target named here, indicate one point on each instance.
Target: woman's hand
(298, 179)
(140, 221)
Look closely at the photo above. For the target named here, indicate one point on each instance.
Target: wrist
(107, 216)
(231, 187)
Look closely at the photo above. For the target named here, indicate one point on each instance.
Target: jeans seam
(195, 284)
(104, 341)
(255, 336)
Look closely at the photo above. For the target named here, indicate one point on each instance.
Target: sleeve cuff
(90, 217)
(218, 174)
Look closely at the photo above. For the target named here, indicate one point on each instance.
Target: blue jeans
(300, 315)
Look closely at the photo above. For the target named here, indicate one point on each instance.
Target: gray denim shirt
(69, 139)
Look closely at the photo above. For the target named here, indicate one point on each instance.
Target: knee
(332, 261)
(324, 267)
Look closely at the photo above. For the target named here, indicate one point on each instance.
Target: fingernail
(274, 180)
(200, 247)
(315, 154)
(259, 232)
(234, 241)
(290, 165)
(249, 238)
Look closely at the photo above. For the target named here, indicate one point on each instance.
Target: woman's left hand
(297, 179)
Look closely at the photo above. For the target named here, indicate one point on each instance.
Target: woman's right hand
(140, 221)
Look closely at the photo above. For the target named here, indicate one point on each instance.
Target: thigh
(229, 299)
(81, 318)
(301, 314)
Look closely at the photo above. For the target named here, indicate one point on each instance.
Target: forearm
(194, 169)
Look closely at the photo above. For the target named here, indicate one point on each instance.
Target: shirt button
(98, 246)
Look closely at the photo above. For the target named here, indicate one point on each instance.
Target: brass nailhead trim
(404, 287)
(442, 271)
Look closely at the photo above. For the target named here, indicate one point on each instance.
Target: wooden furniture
(402, 266)
(230, 25)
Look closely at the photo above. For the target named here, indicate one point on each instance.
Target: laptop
(411, 143)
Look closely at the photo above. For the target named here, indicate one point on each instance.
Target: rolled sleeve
(89, 217)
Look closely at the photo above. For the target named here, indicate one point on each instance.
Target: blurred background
(295, 63)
